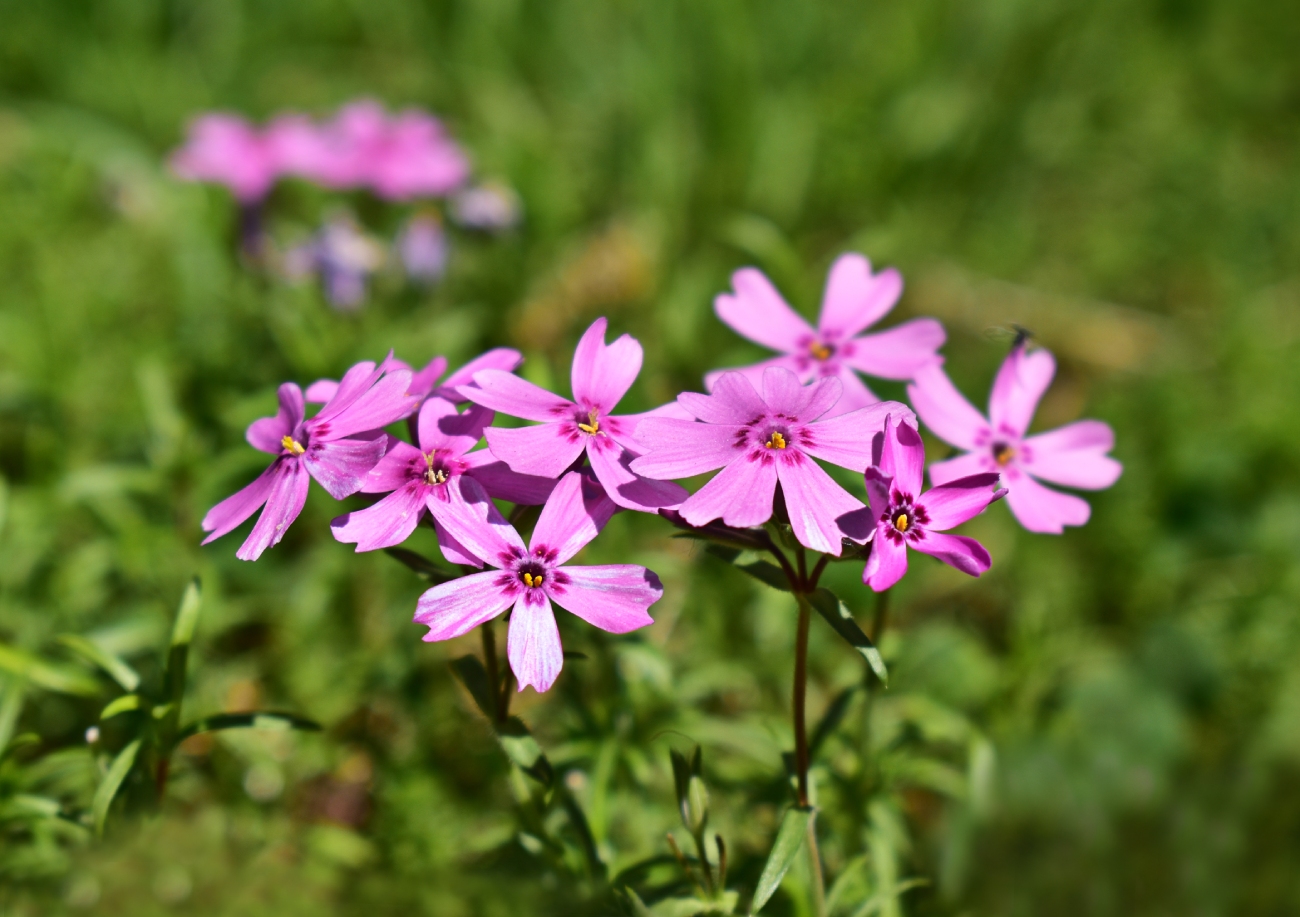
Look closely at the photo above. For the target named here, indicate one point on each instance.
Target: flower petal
(507, 393)
(959, 551)
(846, 440)
(682, 448)
(613, 598)
(503, 484)
(455, 608)
(321, 391)
(945, 411)
(855, 393)
(814, 503)
(1020, 383)
(601, 375)
(470, 517)
(356, 381)
(230, 513)
(389, 522)
(754, 372)
(783, 393)
(452, 550)
(506, 359)
(441, 427)
(757, 311)
(574, 514)
(386, 401)
(953, 503)
(902, 456)
(1073, 455)
(422, 382)
(740, 494)
(343, 466)
(960, 467)
(626, 488)
(886, 565)
(401, 463)
(533, 643)
(733, 400)
(1041, 509)
(283, 504)
(897, 353)
(267, 433)
(854, 298)
(544, 450)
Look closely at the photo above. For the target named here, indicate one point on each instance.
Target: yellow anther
(820, 351)
(530, 580)
(901, 522)
(435, 476)
(777, 441)
(1003, 454)
(592, 425)
(294, 447)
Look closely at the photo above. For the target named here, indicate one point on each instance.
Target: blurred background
(1122, 178)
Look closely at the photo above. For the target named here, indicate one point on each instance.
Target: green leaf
(421, 565)
(767, 573)
(840, 618)
(23, 805)
(118, 670)
(264, 719)
(120, 705)
(112, 781)
(638, 906)
(188, 616)
(790, 838)
(11, 705)
(470, 671)
(522, 749)
(48, 675)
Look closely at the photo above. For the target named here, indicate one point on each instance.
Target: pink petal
(632, 491)
(965, 554)
(886, 565)
(1020, 383)
(1073, 455)
(682, 448)
(757, 311)
(386, 401)
(953, 503)
(507, 393)
(623, 427)
(455, 608)
(1041, 509)
(441, 427)
(854, 298)
(321, 391)
(505, 359)
(855, 394)
(470, 517)
(602, 375)
(401, 463)
(754, 372)
(734, 400)
(815, 503)
(342, 467)
(544, 450)
(613, 598)
(503, 484)
(740, 494)
(960, 467)
(574, 514)
(355, 382)
(283, 504)
(452, 550)
(533, 644)
(878, 488)
(846, 440)
(943, 409)
(422, 382)
(902, 456)
(389, 522)
(897, 353)
(266, 434)
(227, 515)
(783, 393)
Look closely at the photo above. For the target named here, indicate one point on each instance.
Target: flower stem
(800, 696)
(493, 673)
(882, 617)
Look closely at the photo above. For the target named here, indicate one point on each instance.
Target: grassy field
(1123, 178)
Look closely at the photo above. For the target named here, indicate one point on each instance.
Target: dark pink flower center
(904, 520)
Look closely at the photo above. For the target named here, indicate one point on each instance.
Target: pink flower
(227, 150)
(759, 441)
(424, 382)
(904, 517)
(338, 447)
(614, 598)
(1074, 455)
(601, 376)
(854, 299)
(428, 478)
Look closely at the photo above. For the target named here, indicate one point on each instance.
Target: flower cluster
(765, 430)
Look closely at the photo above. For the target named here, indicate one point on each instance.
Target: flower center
(1003, 453)
(775, 441)
(434, 475)
(901, 522)
(532, 579)
(292, 446)
(592, 426)
(820, 351)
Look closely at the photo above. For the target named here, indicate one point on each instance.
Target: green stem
(800, 696)
(490, 663)
(882, 617)
(815, 862)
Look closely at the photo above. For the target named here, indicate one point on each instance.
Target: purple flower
(491, 207)
(1074, 455)
(904, 517)
(338, 447)
(227, 150)
(427, 478)
(613, 598)
(759, 441)
(601, 376)
(424, 382)
(343, 256)
(422, 246)
(854, 299)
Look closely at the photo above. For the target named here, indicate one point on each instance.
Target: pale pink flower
(226, 150)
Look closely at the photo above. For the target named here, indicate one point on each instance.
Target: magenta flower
(1074, 455)
(601, 376)
(427, 479)
(854, 299)
(227, 150)
(424, 382)
(614, 598)
(759, 441)
(904, 517)
(338, 447)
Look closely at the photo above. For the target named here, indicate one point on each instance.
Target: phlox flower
(427, 479)
(226, 150)
(344, 256)
(760, 440)
(601, 376)
(1073, 455)
(424, 382)
(423, 249)
(338, 447)
(854, 299)
(903, 517)
(614, 598)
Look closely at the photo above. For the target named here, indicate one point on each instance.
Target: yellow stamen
(532, 581)
(900, 522)
(820, 351)
(1003, 454)
(592, 425)
(294, 447)
(777, 441)
(435, 476)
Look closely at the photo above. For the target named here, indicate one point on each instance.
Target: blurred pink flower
(854, 299)
(490, 207)
(226, 150)
(423, 249)
(1074, 455)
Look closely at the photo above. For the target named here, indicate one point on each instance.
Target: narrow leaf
(187, 618)
(840, 618)
(120, 705)
(263, 719)
(11, 705)
(790, 838)
(470, 671)
(421, 565)
(767, 573)
(118, 670)
(48, 675)
(108, 787)
(521, 748)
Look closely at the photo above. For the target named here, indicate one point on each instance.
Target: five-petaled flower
(854, 299)
(601, 376)
(338, 447)
(903, 517)
(614, 598)
(760, 440)
(1074, 455)
(424, 382)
